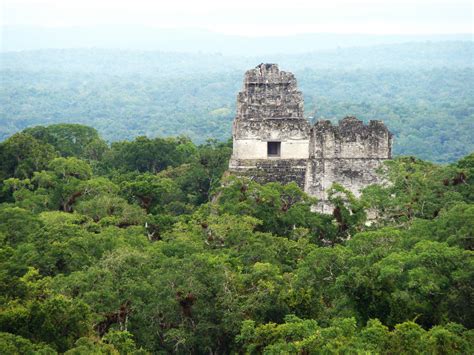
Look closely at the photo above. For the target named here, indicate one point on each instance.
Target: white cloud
(251, 17)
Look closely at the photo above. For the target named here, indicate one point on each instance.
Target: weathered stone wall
(348, 153)
(270, 108)
(351, 138)
(273, 170)
(269, 93)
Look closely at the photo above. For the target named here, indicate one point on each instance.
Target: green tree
(429, 281)
(147, 155)
(414, 189)
(17, 345)
(58, 321)
(17, 225)
(22, 154)
(152, 191)
(70, 140)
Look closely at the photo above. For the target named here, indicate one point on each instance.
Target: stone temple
(273, 141)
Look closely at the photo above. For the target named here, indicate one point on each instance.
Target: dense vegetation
(422, 91)
(144, 246)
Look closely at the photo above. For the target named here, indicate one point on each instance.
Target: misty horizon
(141, 37)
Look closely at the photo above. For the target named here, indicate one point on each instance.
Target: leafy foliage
(148, 247)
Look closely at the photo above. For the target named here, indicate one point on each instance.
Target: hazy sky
(252, 17)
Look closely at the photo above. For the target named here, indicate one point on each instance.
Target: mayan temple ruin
(273, 141)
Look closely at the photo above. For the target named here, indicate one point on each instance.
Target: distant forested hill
(423, 91)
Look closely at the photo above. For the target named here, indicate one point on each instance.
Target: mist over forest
(422, 90)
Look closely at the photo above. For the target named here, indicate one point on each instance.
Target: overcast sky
(251, 17)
